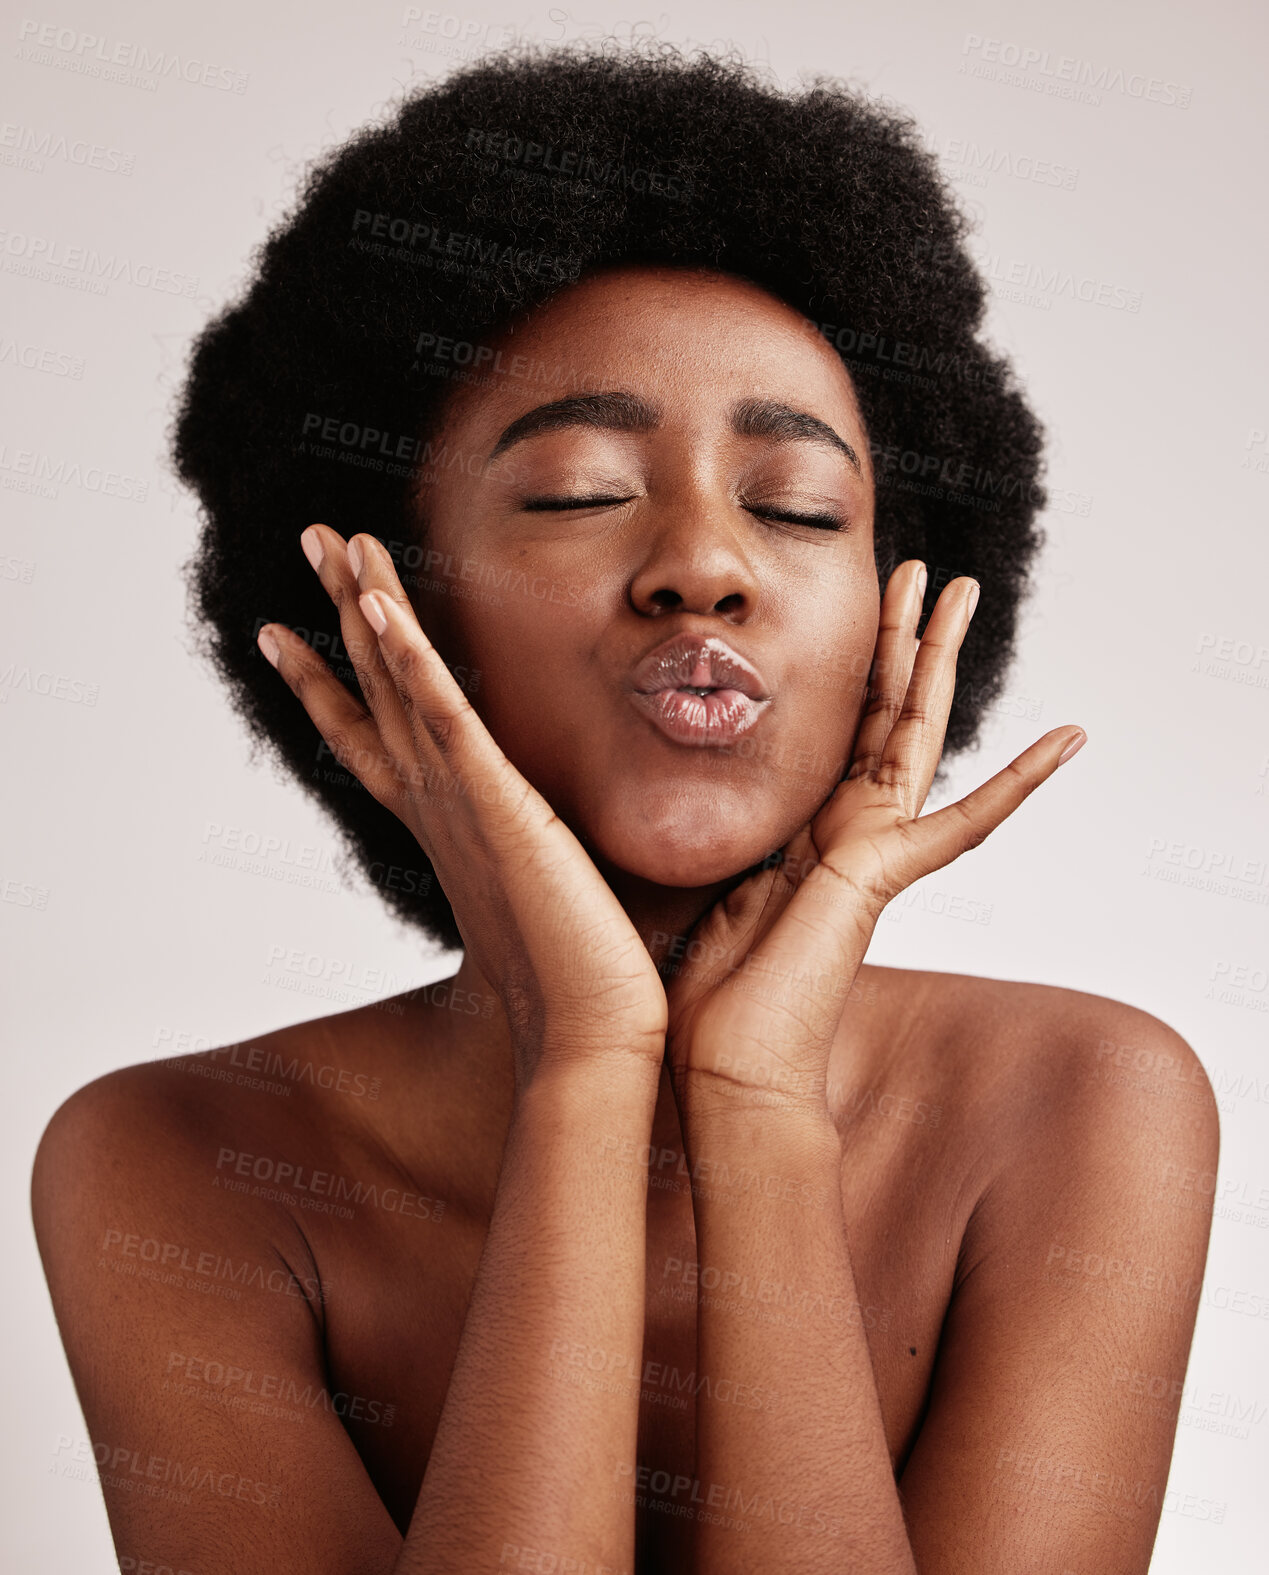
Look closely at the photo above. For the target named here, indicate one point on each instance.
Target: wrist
(778, 1126)
(606, 1088)
(735, 1093)
(746, 1179)
(633, 1052)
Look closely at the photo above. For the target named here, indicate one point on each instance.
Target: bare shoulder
(1040, 1049)
(1093, 1139)
(322, 1079)
(161, 1146)
(171, 1289)
(124, 1173)
(147, 1112)
(1077, 1279)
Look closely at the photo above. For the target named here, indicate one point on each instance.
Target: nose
(696, 560)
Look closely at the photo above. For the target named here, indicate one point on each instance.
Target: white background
(122, 942)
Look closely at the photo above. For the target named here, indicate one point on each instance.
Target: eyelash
(818, 521)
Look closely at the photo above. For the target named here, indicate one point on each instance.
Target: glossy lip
(697, 661)
(738, 695)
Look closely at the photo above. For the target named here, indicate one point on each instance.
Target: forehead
(701, 335)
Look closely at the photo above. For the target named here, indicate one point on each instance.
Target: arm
(523, 1458)
(521, 1455)
(788, 1420)
(742, 1001)
(1077, 1291)
(160, 1294)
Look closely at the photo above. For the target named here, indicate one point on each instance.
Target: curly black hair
(413, 243)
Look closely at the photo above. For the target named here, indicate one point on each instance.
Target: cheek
(837, 667)
(519, 646)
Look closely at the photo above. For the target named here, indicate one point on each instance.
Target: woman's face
(702, 413)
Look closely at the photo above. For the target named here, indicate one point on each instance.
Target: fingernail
(973, 601)
(1076, 743)
(268, 645)
(369, 604)
(354, 557)
(312, 545)
(921, 582)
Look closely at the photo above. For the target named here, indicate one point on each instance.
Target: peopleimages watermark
(258, 1063)
(692, 1497)
(23, 894)
(763, 1299)
(573, 164)
(318, 1190)
(415, 237)
(116, 60)
(963, 481)
(55, 686)
(166, 1262)
(533, 1560)
(45, 257)
(243, 1388)
(1238, 984)
(901, 356)
(28, 148)
(22, 569)
(1068, 76)
(595, 1368)
(41, 358)
(1203, 868)
(314, 973)
(974, 163)
(56, 470)
(1256, 455)
(1040, 284)
(462, 360)
(1051, 1477)
(130, 1469)
(1227, 656)
(709, 1178)
(443, 33)
(410, 452)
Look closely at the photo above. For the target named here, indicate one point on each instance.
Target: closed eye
(571, 503)
(819, 521)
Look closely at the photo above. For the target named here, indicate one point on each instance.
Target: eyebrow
(619, 411)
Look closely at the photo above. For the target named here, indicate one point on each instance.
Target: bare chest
(397, 1290)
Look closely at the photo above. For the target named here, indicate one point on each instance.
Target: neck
(663, 917)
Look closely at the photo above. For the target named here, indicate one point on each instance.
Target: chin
(688, 841)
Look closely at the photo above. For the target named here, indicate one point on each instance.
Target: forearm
(525, 1454)
(803, 1463)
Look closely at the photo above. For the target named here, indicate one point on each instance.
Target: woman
(678, 1236)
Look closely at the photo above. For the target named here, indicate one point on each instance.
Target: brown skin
(666, 824)
(921, 1359)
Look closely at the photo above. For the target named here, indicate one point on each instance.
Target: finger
(776, 942)
(721, 941)
(454, 751)
(378, 588)
(915, 745)
(940, 837)
(345, 724)
(327, 551)
(892, 665)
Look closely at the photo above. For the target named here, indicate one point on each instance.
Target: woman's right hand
(535, 915)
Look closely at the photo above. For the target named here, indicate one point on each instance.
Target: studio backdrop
(165, 891)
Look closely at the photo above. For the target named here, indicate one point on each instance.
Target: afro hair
(416, 241)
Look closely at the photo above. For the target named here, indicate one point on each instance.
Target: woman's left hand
(754, 1011)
